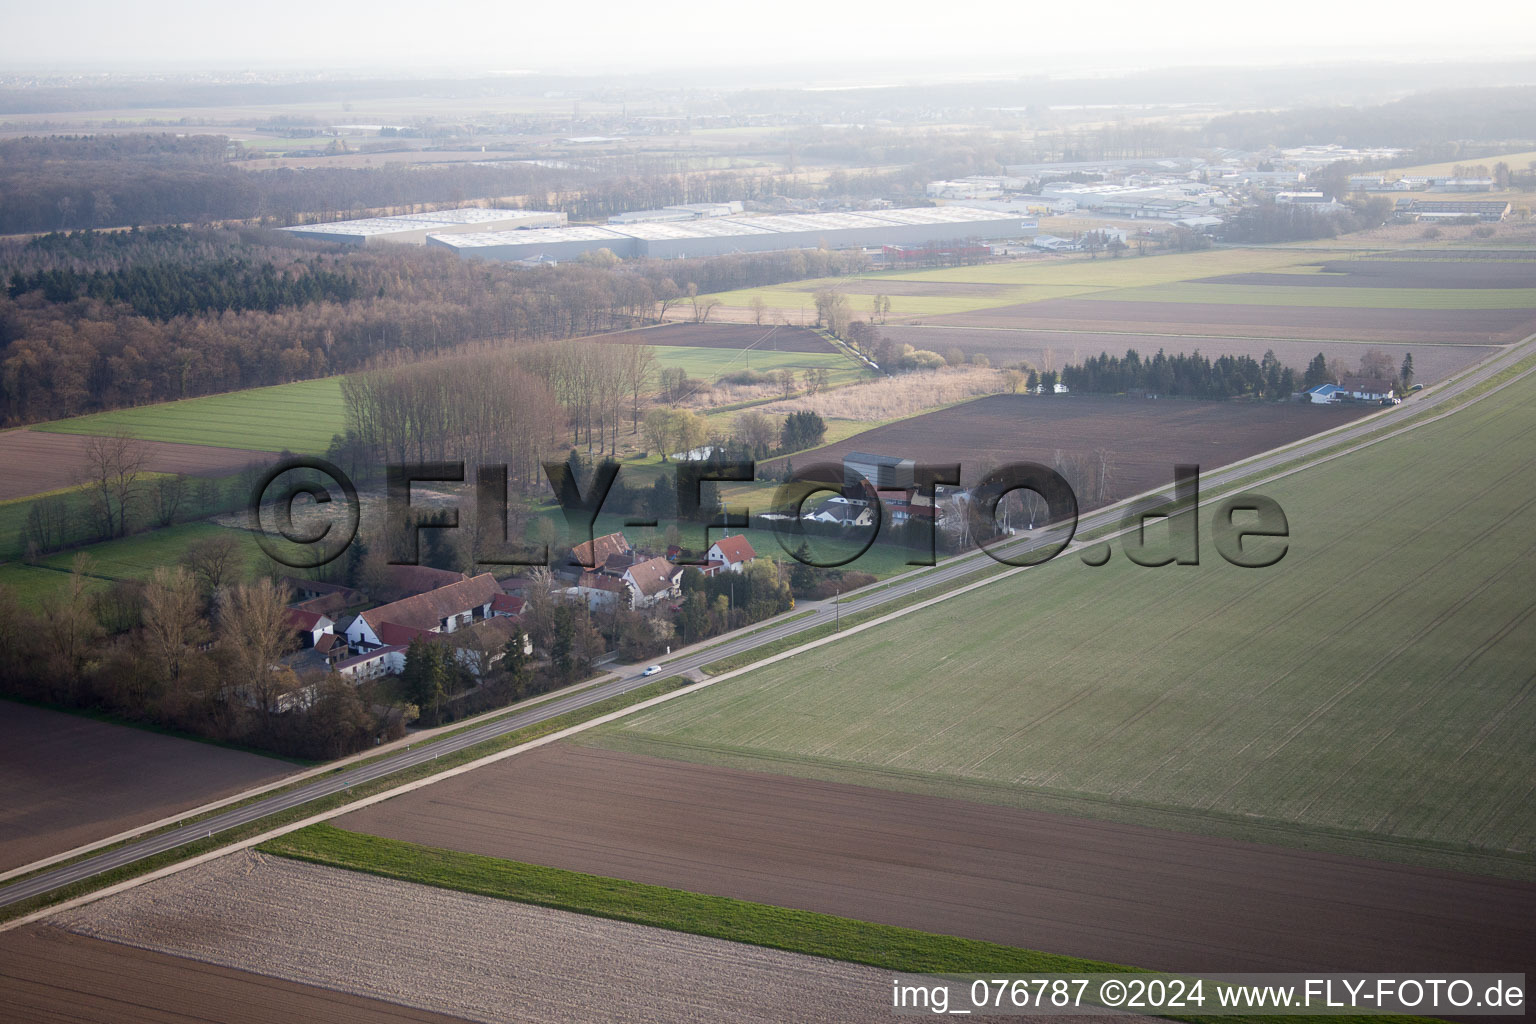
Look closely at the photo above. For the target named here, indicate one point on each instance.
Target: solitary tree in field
(759, 309)
(1406, 372)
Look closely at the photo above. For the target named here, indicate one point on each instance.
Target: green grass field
(711, 363)
(303, 416)
(1369, 694)
(136, 557)
(32, 585)
(300, 417)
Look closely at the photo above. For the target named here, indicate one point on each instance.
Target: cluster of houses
(473, 615)
(608, 571)
(868, 480)
(476, 616)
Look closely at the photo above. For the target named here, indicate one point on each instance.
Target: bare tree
(170, 494)
(111, 465)
(254, 634)
(71, 619)
(759, 309)
(173, 621)
(1376, 363)
(756, 432)
(213, 561)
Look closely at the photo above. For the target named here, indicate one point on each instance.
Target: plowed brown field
(67, 780)
(1145, 438)
(36, 461)
(1111, 892)
(49, 976)
(1440, 326)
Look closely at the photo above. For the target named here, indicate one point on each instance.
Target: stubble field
(390, 940)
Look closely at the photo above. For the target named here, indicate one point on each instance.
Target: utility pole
(837, 611)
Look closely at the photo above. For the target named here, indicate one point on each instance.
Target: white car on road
(651, 671)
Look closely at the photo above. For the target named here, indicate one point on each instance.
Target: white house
(312, 626)
(1367, 389)
(733, 554)
(651, 581)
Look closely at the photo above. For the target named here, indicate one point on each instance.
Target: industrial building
(682, 211)
(413, 228)
(715, 236)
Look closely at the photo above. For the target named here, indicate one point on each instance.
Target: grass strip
(885, 946)
(335, 800)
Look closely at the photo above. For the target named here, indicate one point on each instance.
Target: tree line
(1182, 375)
(87, 353)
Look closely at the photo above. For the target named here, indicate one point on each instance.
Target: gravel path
(470, 956)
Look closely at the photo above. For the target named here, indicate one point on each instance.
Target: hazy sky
(599, 35)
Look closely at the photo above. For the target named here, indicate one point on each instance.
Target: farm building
(712, 236)
(442, 610)
(1451, 209)
(1324, 394)
(413, 228)
(884, 472)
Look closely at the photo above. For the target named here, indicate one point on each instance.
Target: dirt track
(472, 956)
(1146, 438)
(48, 976)
(1112, 892)
(36, 461)
(1006, 346)
(1405, 326)
(67, 780)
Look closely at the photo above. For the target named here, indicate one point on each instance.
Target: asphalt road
(629, 677)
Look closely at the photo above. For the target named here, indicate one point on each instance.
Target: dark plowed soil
(1112, 892)
(1145, 437)
(48, 976)
(36, 461)
(67, 780)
